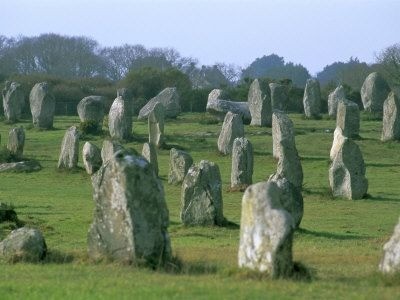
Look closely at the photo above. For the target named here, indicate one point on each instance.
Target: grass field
(339, 241)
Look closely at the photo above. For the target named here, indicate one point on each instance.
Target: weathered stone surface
(279, 96)
(312, 98)
(156, 125)
(91, 109)
(42, 105)
(169, 98)
(348, 118)
(179, 164)
(21, 166)
(242, 163)
(108, 149)
(390, 262)
(289, 165)
(282, 128)
(120, 119)
(259, 101)
(232, 128)
(374, 91)
(391, 118)
(13, 101)
(219, 108)
(131, 216)
(149, 152)
(16, 142)
(347, 172)
(23, 244)
(69, 149)
(333, 100)
(338, 139)
(217, 94)
(266, 232)
(91, 156)
(201, 201)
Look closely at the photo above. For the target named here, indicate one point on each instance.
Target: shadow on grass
(57, 257)
(382, 199)
(314, 158)
(330, 235)
(381, 165)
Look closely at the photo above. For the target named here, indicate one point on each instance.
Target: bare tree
(389, 61)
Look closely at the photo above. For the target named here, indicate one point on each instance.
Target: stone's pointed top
(69, 149)
(217, 94)
(231, 129)
(334, 98)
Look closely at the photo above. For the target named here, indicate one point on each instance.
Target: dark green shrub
(90, 127)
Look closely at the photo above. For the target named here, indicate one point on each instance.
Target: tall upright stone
(338, 140)
(266, 232)
(169, 98)
(279, 96)
(91, 156)
(282, 128)
(242, 163)
(201, 200)
(374, 92)
(391, 118)
(16, 142)
(289, 165)
(149, 152)
(131, 216)
(232, 128)
(42, 105)
(13, 101)
(91, 109)
(390, 262)
(348, 118)
(69, 149)
(108, 150)
(333, 100)
(312, 99)
(156, 125)
(120, 119)
(259, 100)
(179, 164)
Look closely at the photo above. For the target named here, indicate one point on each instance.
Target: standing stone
(91, 156)
(91, 109)
(169, 98)
(333, 100)
(108, 150)
(266, 232)
(374, 91)
(13, 101)
(217, 94)
(282, 128)
(127, 95)
(69, 149)
(231, 129)
(338, 139)
(289, 165)
(43, 105)
(16, 142)
(156, 125)
(391, 118)
(149, 152)
(390, 263)
(347, 172)
(348, 118)
(312, 99)
(242, 163)
(259, 100)
(179, 164)
(279, 96)
(131, 216)
(201, 201)
(120, 119)
(23, 244)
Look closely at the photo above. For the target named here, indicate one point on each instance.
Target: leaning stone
(220, 107)
(69, 149)
(338, 139)
(156, 125)
(169, 98)
(91, 156)
(259, 101)
(390, 263)
(131, 216)
(21, 166)
(391, 118)
(179, 164)
(266, 232)
(201, 201)
(279, 96)
(374, 91)
(242, 163)
(43, 105)
(91, 109)
(23, 244)
(13, 101)
(232, 128)
(120, 120)
(108, 150)
(348, 118)
(149, 152)
(333, 100)
(347, 172)
(16, 142)
(282, 128)
(312, 99)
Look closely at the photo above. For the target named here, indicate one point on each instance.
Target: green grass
(340, 241)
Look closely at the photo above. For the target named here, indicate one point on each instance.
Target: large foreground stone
(131, 216)
(266, 232)
(91, 156)
(43, 105)
(169, 98)
(390, 262)
(91, 109)
(120, 119)
(13, 101)
(179, 164)
(23, 244)
(259, 101)
(242, 163)
(156, 125)
(279, 96)
(333, 100)
(232, 128)
(16, 142)
(391, 118)
(312, 98)
(69, 149)
(374, 91)
(282, 128)
(201, 200)
(348, 118)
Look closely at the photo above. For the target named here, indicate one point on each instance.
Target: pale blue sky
(311, 32)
